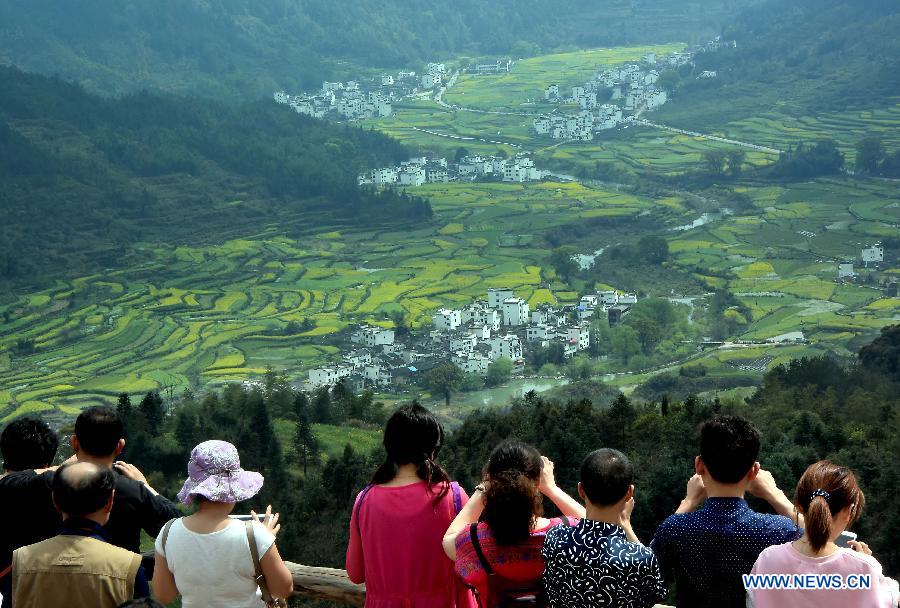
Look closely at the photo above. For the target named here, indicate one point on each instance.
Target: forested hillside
(85, 178)
(807, 410)
(248, 48)
(801, 57)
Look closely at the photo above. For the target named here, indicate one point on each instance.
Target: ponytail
(512, 499)
(824, 490)
(818, 523)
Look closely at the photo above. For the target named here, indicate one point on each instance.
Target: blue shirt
(708, 550)
(592, 564)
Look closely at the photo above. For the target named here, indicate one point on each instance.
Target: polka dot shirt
(707, 551)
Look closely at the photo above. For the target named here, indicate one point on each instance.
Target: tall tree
(870, 153)
(444, 379)
(124, 409)
(306, 444)
(321, 405)
(714, 161)
(562, 259)
(653, 249)
(499, 372)
(151, 407)
(401, 324)
(736, 160)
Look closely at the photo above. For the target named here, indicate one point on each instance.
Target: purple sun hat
(215, 473)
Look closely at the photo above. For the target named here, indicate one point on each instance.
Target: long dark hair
(413, 436)
(825, 490)
(512, 500)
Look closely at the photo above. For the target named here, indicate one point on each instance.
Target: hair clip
(822, 493)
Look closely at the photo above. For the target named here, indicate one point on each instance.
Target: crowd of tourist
(419, 540)
(504, 552)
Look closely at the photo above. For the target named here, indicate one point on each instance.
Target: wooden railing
(326, 584)
(332, 584)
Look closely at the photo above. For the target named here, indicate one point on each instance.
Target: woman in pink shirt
(830, 500)
(399, 519)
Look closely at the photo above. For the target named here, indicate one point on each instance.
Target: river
(702, 220)
(462, 404)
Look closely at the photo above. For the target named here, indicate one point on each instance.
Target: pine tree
(187, 429)
(306, 445)
(322, 406)
(151, 407)
(125, 409)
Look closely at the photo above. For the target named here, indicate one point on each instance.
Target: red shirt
(395, 548)
(520, 563)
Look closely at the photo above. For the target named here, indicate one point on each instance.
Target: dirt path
(724, 140)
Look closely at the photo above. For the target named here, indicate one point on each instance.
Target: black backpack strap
(476, 544)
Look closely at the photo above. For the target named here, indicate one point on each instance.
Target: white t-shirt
(215, 570)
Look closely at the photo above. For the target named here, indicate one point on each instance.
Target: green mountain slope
(802, 58)
(84, 177)
(247, 48)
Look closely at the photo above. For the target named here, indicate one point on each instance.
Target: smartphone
(844, 539)
(248, 517)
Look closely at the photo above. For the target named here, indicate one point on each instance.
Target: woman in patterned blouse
(501, 555)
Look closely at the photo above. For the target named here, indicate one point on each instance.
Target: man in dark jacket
(28, 446)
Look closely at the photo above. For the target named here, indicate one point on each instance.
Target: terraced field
(529, 77)
(783, 263)
(203, 316)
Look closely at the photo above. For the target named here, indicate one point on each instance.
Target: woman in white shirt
(205, 557)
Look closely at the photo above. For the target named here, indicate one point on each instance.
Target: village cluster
(471, 338)
(425, 170)
(372, 98)
(632, 89)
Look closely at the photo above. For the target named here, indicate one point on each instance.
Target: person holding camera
(207, 558)
(830, 500)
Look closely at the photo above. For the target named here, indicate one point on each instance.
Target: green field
(788, 279)
(204, 316)
(529, 77)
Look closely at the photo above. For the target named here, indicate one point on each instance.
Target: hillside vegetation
(87, 177)
(799, 59)
(248, 48)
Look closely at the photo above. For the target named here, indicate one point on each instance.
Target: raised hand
(270, 521)
(130, 471)
(625, 513)
(763, 485)
(860, 547)
(548, 481)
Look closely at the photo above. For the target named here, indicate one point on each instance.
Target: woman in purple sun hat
(206, 557)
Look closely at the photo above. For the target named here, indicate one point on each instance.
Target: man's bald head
(82, 489)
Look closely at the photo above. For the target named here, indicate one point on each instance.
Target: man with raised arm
(600, 561)
(78, 567)
(707, 551)
(99, 440)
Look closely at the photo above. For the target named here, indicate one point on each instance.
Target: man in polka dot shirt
(707, 550)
